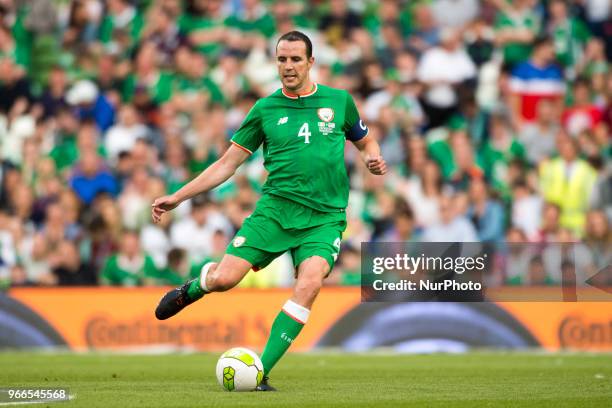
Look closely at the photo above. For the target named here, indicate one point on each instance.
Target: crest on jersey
(238, 241)
(326, 114)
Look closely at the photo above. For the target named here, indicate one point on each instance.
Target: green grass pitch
(323, 380)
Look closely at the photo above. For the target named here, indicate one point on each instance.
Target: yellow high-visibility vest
(570, 194)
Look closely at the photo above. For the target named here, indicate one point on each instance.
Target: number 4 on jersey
(304, 132)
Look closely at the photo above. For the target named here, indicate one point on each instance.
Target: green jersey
(515, 52)
(303, 144)
(569, 38)
(119, 270)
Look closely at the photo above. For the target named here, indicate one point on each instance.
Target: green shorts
(279, 225)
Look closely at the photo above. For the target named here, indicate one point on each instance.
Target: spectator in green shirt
(177, 269)
(193, 90)
(594, 62)
(65, 151)
(453, 152)
(498, 152)
(386, 12)
(122, 17)
(202, 23)
(516, 26)
(10, 48)
(131, 266)
(252, 19)
(162, 29)
(569, 34)
(147, 85)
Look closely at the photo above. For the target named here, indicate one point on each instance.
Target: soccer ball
(239, 369)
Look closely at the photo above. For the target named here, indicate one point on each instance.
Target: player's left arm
(357, 132)
(370, 153)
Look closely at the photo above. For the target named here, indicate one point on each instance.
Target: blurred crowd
(495, 118)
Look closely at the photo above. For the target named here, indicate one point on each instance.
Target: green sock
(195, 290)
(285, 329)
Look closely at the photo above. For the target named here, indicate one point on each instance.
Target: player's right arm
(244, 142)
(215, 174)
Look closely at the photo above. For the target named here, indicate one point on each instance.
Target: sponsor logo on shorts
(239, 241)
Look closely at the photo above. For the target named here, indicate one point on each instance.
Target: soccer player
(302, 127)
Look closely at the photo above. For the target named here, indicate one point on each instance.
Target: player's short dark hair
(297, 36)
